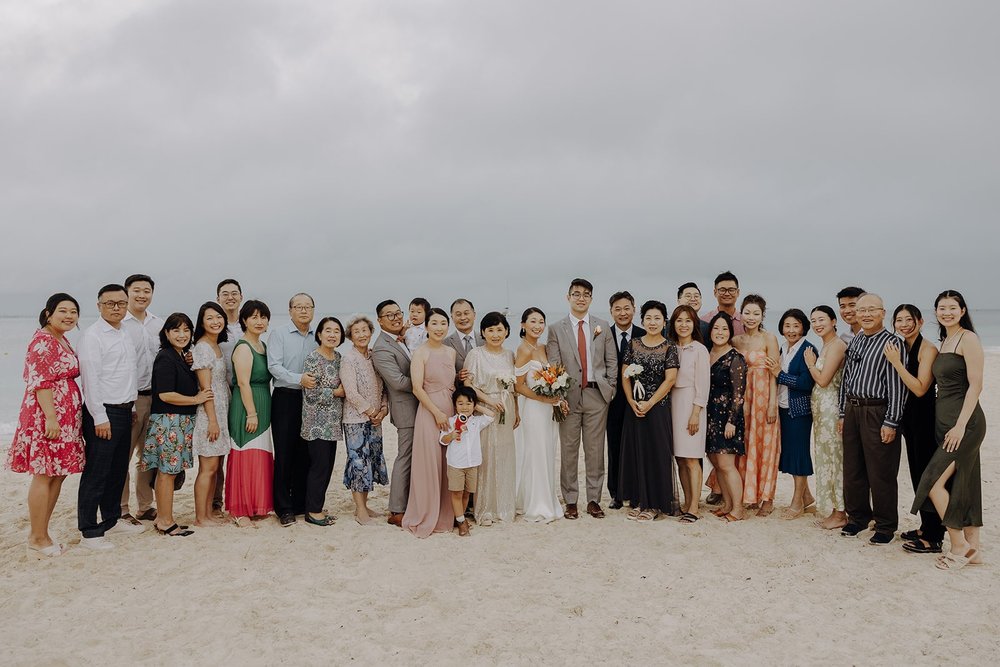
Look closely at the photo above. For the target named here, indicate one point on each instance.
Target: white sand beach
(763, 591)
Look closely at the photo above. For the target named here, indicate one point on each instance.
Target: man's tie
(621, 348)
(468, 343)
(581, 344)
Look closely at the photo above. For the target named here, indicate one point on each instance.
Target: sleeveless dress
(918, 426)
(250, 465)
(828, 445)
(759, 468)
(646, 478)
(497, 482)
(204, 357)
(725, 404)
(428, 508)
(965, 500)
(49, 364)
(535, 443)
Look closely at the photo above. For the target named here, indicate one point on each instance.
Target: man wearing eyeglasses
(585, 345)
(109, 376)
(287, 348)
(391, 359)
(727, 293)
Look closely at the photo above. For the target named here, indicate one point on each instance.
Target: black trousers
(291, 455)
(870, 469)
(322, 454)
(920, 446)
(616, 417)
(104, 472)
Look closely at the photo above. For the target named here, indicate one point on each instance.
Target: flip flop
(729, 518)
(174, 531)
(687, 517)
(51, 551)
(951, 561)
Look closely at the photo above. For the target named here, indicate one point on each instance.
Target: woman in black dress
(724, 440)
(649, 370)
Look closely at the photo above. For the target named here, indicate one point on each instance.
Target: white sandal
(951, 561)
(51, 551)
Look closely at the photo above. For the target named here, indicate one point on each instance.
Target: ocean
(16, 332)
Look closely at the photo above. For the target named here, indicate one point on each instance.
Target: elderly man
(622, 306)
(287, 348)
(872, 397)
(463, 339)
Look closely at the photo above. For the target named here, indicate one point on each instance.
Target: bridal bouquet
(553, 382)
(506, 383)
(632, 371)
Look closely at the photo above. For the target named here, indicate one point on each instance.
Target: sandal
(951, 561)
(646, 515)
(51, 551)
(687, 517)
(719, 512)
(729, 518)
(633, 513)
(244, 522)
(174, 531)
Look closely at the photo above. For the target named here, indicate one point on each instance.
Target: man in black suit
(622, 311)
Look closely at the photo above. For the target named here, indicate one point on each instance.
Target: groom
(583, 344)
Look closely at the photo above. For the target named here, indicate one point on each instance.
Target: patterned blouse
(321, 410)
(725, 403)
(363, 386)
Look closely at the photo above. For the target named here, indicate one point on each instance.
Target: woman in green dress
(250, 467)
(951, 480)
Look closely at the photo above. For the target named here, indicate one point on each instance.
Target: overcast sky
(360, 150)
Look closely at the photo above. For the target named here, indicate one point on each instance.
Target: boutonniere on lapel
(597, 331)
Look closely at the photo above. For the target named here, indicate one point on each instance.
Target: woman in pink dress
(48, 442)
(759, 468)
(432, 371)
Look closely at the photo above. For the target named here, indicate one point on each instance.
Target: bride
(536, 441)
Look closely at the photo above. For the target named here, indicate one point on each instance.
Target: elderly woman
(366, 405)
(795, 385)
(48, 443)
(322, 409)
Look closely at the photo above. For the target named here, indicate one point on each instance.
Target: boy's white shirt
(467, 452)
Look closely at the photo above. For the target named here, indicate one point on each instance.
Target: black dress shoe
(286, 519)
(851, 529)
(881, 538)
(615, 505)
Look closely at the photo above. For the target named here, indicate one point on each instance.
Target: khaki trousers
(143, 491)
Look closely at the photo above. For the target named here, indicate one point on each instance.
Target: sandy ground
(584, 592)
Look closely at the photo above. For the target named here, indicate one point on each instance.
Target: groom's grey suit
(392, 363)
(588, 407)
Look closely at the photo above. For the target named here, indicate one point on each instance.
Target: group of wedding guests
(478, 439)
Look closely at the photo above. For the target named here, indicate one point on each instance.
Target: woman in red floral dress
(48, 443)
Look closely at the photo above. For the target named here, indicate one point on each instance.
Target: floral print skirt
(168, 444)
(365, 463)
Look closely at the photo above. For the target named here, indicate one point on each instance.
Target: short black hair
(461, 300)
(724, 276)
(382, 305)
(423, 303)
(111, 287)
(322, 323)
(653, 304)
(493, 319)
(468, 392)
(581, 282)
(139, 278)
(680, 290)
(174, 321)
(618, 296)
(850, 293)
(250, 308)
(795, 314)
(228, 281)
(199, 327)
(52, 303)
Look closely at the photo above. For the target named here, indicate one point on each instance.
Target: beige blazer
(561, 348)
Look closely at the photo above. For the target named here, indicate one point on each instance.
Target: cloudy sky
(359, 150)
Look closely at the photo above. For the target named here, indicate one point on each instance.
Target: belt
(864, 402)
(121, 406)
(145, 392)
(288, 389)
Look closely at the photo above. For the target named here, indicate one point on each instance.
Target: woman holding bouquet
(649, 371)
(537, 439)
(491, 373)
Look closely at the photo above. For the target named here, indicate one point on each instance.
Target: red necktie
(581, 344)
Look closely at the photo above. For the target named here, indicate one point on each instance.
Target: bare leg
(729, 478)
(682, 472)
(693, 487)
(40, 500)
(164, 500)
(360, 509)
(203, 490)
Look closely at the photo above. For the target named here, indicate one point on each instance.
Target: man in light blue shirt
(287, 348)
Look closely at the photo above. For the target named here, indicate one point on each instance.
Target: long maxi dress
(828, 445)
(428, 507)
(759, 467)
(536, 442)
(250, 465)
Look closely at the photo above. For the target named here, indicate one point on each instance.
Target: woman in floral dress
(726, 428)
(48, 442)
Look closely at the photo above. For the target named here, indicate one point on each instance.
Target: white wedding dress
(535, 444)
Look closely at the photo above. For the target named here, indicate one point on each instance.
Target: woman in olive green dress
(951, 480)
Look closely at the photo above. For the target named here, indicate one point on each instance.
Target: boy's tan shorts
(462, 479)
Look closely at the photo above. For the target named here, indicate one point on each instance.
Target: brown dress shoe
(594, 510)
(396, 519)
(571, 511)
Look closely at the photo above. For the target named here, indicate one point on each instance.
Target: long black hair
(199, 327)
(965, 322)
(528, 312)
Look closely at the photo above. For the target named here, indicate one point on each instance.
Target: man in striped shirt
(872, 397)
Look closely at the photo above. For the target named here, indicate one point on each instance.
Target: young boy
(416, 332)
(464, 451)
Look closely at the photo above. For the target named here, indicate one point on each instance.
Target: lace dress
(828, 445)
(646, 479)
(204, 357)
(498, 472)
(725, 404)
(536, 442)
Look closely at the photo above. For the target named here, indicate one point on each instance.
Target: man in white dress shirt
(463, 339)
(143, 327)
(108, 374)
(229, 295)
